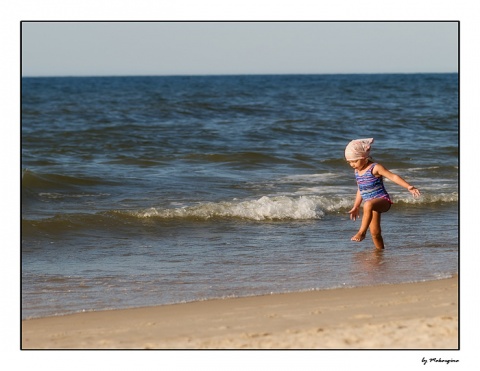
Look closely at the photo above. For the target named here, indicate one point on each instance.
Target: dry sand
(403, 316)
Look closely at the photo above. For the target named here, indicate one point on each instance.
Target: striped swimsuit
(370, 186)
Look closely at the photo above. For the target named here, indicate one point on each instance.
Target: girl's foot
(358, 237)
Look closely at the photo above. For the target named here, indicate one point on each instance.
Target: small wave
(34, 181)
(246, 158)
(311, 178)
(135, 162)
(275, 208)
(265, 208)
(426, 198)
(58, 196)
(278, 207)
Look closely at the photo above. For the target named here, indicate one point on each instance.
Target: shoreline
(56, 315)
(420, 315)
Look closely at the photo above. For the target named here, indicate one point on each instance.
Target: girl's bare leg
(376, 231)
(377, 206)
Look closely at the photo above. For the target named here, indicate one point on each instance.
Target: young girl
(371, 190)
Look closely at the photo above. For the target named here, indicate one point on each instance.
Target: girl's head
(359, 164)
(358, 149)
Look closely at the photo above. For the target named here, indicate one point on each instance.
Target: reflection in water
(370, 265)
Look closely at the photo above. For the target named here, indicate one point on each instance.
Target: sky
(212, 48)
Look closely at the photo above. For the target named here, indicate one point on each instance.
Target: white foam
(265, 208)
(281, 207)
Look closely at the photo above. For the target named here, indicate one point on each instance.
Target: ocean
(152, 190)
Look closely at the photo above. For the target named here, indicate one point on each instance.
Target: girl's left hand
(414, 191)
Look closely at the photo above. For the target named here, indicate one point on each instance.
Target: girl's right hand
(354, 213)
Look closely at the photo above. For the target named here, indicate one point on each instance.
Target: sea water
(152, 190)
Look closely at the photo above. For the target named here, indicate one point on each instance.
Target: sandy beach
(402, 316)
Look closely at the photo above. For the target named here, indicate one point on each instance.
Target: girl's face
(358, 164)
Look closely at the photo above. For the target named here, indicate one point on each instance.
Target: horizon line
(239, 74)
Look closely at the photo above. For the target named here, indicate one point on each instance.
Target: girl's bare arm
(355, 211)
(381, 170)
